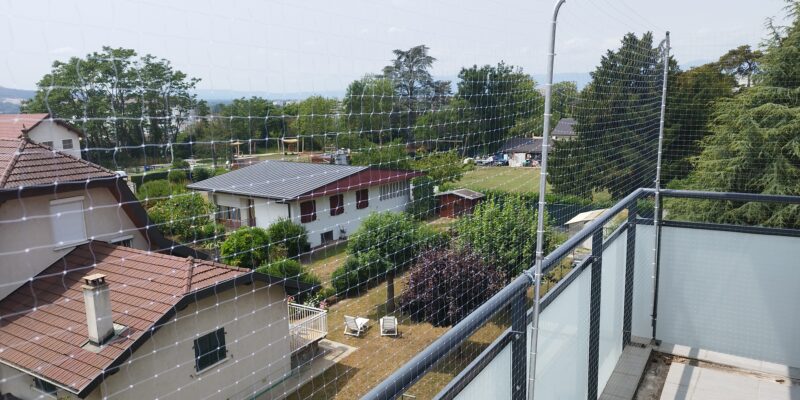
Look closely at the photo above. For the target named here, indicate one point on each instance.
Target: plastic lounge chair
(389, 326)
(355, 326)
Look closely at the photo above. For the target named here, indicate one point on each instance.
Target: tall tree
(121, 100)
(414, 86)
(742, 63)
(498, 96)
(617, 123)
(755, 144)
(317, 122)
(690, 103)
(368, 107)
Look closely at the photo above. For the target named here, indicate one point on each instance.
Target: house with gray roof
(564, 130)
(329, 200)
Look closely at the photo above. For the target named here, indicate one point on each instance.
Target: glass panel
(730, 292)
(494, 382)
(562, 364)
(612, 296)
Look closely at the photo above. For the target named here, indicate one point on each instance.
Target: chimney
(97, 299)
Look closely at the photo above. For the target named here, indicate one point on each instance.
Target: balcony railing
(709, 286)
(307, 325)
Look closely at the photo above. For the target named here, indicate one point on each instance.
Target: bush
(291, 235)
(424, 204)
(503, 231)
(200, 174)
(176, 176)
(358, 271)
(154, 190)
(445, 285)
(246, 247)
(291, 269)
(180, 164)
(186, 217)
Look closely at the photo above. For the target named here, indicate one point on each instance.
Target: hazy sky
(317, 45)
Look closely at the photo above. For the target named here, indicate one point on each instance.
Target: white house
(91, 306)
(39, 128)
(329, 200)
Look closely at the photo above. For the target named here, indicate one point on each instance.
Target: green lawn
(509, 179)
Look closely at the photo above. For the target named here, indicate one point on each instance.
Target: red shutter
(362, 198)
(337, 204)
(308, 211)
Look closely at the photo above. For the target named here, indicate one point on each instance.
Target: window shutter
(362, 198)
(337, 204)
(67, 221)
(308, 211)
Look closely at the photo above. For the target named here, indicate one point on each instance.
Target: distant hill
(10, 99)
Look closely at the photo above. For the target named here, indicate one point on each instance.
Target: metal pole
(657, 212)
(540, 218)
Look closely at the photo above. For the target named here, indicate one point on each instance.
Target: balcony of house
(307, 326)
(662, 309)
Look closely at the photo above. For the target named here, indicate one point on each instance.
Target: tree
(503, 231)
(447, 127)
(247, 247)
(368, 106)
(440, 167)
(390, 155)
(414, 86)
(316, 121)
(754, 146)
(185, 217)
(291, 235)
(691, 96)
(497, 96)
(617, 122)
(393, 237)
(121, 101)
(445, 285)
(741, 62)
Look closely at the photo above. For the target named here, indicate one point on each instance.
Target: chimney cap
(95, 280)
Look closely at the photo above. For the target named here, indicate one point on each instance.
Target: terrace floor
(711, 382)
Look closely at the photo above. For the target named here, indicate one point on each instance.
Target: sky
(319, 46)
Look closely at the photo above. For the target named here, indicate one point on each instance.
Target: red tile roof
(23, 163)
(43, 323)
(12, 125)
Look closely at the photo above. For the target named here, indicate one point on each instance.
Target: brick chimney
(97, 299)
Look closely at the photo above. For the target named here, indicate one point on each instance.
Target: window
(229, 213)
(44, 386)
(66, 144)
(308, 211)
(337, 204)
(362, 198)
(67, 221)
(48, 144)
(394, 189)
(326, 237)
(209, 349)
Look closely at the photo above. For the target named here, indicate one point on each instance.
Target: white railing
(306, 325)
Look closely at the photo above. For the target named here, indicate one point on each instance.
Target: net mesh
(164, 237)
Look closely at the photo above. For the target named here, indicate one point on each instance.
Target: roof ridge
(11, 163)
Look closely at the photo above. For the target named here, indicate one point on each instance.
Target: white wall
(27, 246)
(255, 360)
(731, 292)
(269, 211)
(351, 219)
(49, 131)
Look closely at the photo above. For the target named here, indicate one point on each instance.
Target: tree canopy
(754, 146)
(115, 95)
